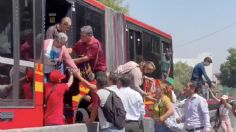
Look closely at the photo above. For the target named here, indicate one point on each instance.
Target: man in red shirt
(91, 51)
(54, 91)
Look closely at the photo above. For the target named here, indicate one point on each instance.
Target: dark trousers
(133, 126)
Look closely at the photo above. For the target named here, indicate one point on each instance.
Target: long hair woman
(223, 112)
(163, 108)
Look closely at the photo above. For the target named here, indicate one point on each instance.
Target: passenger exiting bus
(63, 26)
(135, 72)
(89, 52)
(54, 91)
(54, 53)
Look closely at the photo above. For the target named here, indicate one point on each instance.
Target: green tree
(228, 70)
(116, 5)
(182, 75)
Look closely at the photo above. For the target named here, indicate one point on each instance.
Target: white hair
(61, 37)
(87, 30)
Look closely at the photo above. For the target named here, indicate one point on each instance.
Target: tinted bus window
(138, 44)
(147, 43)
(167, 57)
(6, 51)
(156, 45)
(26, 30)
(92, 17)
(131, 51)
(17, 57)
(151, 52)
(26, 72)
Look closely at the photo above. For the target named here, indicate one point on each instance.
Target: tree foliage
(228, 70)
(182, 75)
(116, 5)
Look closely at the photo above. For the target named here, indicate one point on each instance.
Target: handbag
(86, 71)
(171, 122)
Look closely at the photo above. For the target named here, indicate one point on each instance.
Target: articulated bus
(22, 30)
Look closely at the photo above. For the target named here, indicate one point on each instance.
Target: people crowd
(117, 99)
(121, 90)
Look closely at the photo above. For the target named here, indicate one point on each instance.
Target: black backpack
(114, 111)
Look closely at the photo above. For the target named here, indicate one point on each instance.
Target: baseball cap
(56, 76)
(170, 80)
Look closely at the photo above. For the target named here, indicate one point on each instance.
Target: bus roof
(132, 20)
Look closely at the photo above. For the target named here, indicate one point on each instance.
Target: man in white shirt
(112, 82)
(196, 114)
(133, 104)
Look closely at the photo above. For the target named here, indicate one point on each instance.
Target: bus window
(147, 43)
(26, 30)
(167, 58)
(26, 72)
(6, 51)
(86, 16)
(156, 45)
(151, 52)
(16, 60)
(138, 44)
(166, 47)
(131, 45)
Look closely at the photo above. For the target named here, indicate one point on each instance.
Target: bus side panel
(31, 117)
(26, 117)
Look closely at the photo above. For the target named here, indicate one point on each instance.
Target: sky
(211, 22)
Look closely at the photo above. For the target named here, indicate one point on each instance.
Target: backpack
(114, 111)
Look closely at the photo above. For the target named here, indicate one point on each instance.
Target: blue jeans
(112, 129)
(161, 128)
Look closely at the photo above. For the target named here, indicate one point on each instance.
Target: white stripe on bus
(10, 61)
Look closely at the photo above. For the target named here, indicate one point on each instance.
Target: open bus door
(21, 75)
(80, 15)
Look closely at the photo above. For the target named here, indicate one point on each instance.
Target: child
(54, 95)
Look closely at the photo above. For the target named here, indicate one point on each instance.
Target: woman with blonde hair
(223, 112)
(163, 108)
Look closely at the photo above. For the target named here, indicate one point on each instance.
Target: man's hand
(161, 120)
(151, 98)
(145, 94)
(178, 120)
(90, 107)
(87, 98)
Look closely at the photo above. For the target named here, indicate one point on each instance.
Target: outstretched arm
(227, 105)
(206, 77)
(90, 85)
(70, 81)
(81, 60)
(213, 96)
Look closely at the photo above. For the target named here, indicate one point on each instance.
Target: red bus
(22, 29)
